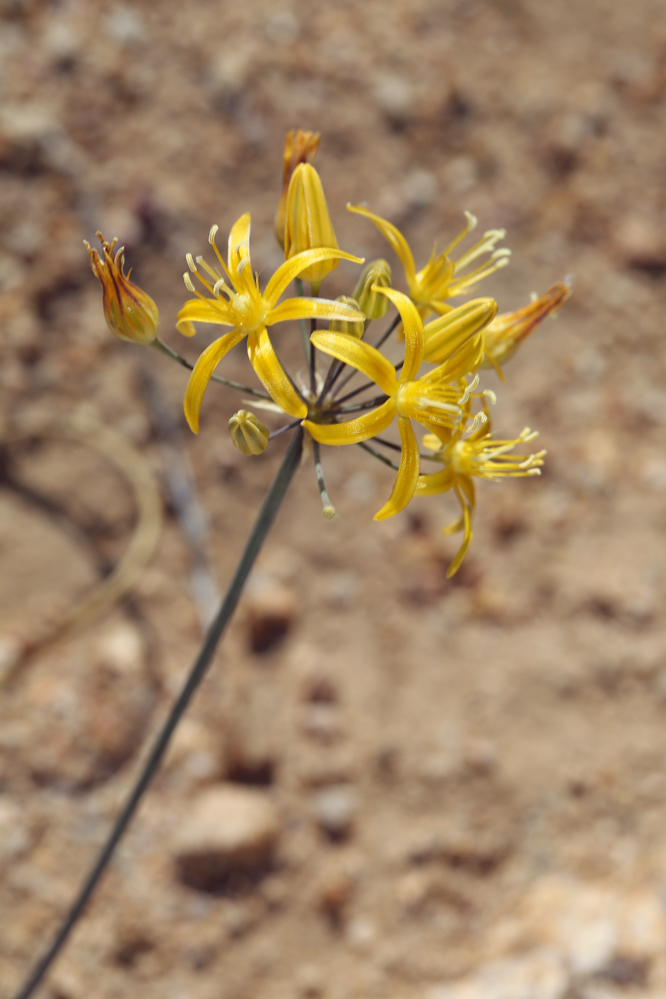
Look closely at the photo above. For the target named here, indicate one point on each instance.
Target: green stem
(304, 326)
(375, 454)
(175, 356)
(261, 528)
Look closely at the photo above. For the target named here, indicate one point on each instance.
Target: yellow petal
(200, 310)
(408, 474)
(201, 373)
(309, 308)
(269, 371)
(435, 483)
(412, 331)
(467, 509)
(361, 356)
(291, 268)
(354, 431)
(395, 238)
(239, 248)
(444, 335)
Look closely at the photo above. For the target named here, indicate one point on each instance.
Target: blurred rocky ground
(391, 785)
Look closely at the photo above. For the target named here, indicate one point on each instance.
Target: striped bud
(308, 225)
(129, 312)
(344, 326)
(372, 303)
(248, 433)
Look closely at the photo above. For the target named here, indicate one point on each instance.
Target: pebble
(640, 243)
(226, 829)
(335, 810)
(272, 610)
(322, 721)
(538, 975)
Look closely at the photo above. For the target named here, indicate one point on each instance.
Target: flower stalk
(203, 660)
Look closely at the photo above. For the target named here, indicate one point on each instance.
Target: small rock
(361, 934)
(640, 243)
(335, 810)
(253, 743)
(310, 981)
(538, 975)
(322, 721)
(272, 609)
(420, 188)
(227, 829)
(121, 649)
(319, 687)
(335, 889)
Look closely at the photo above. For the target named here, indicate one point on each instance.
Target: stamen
(243, 242)
(208, 269)
(490, 396)
(464, 399)
(427, 402)
(478, 421)
(188, 283)
(190, 263)
(216, 287)
(242, 265)
(212, 234)
(121, 249)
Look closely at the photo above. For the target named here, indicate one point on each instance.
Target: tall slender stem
(257, 537)
(175, 356)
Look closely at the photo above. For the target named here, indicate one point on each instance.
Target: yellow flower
(465, 458)
(248, 433)
(308, 224)
(442, 278)
(430, 400)
(237, 302)
(506, 332)
(298, 147)
(129, 312)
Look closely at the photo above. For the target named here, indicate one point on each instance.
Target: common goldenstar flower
(474, 456)
(238, 302)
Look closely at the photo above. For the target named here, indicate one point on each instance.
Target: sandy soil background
(463, 783)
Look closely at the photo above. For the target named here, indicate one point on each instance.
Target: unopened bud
(448, 333)
(298, 147)
(344, 326)
(308, 225)
(505, 334)
(129, 312)
(248, 433)
(373, 303)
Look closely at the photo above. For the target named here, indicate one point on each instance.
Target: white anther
(216, 287)
(490, 396)
(190, 263)
(120, 251)
(188, 283)
(495, 234)
(243, 243)
(212, 234)
(464, 399)
(472, 221)
(478, 421)
(242, 265)
(504, 251)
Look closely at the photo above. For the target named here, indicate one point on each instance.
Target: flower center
(251, 311)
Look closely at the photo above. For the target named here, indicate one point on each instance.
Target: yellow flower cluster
(435, 385)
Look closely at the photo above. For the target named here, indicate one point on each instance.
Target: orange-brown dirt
(499, 740)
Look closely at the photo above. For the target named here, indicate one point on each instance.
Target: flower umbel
(129, 312)
(237, 302)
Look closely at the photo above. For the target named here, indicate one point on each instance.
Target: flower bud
(373, 303)
(308, 225)
(129, 312)
(298, 147)
(505, 334)
(345, 326)
(248, 433)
